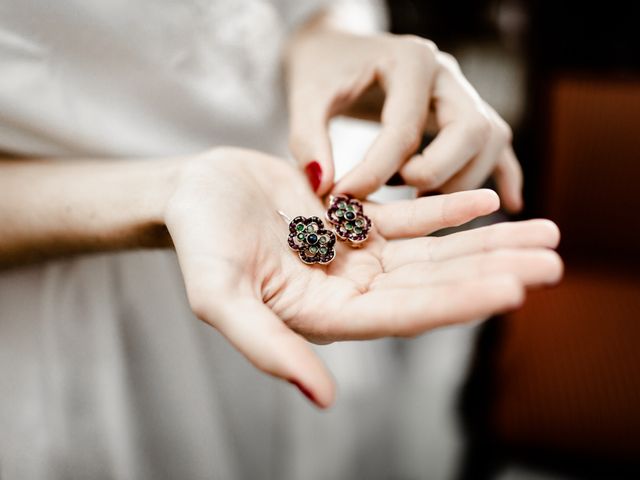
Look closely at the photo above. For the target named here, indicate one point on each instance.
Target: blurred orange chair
(556, 385)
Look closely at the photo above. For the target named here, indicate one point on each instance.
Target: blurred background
(553, 390)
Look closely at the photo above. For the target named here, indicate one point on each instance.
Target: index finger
(407, 85)
(422, 216)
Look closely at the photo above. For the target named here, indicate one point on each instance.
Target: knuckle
(407, 137)
(412, 218)
(478, 129)
(414, 46)
(447, 60)
(501, 130)
(418, 46)
(412, 135)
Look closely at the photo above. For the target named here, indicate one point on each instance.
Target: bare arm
(240, 275)
(62, 207)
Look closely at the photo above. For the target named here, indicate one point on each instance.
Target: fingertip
(511, 290)
(556, 267)
(491, 200)
(326, 395)
(322, 396)
(553, 232)
(345, 185)
(513, 202)
(484, 200)
(546, 232)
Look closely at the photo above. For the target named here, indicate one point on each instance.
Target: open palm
(242, 278)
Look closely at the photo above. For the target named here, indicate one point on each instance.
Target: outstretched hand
(243, 279)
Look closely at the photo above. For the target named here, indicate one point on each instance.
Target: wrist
(152, 188)
(67, 207)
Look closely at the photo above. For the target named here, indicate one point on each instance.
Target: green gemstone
(340, 213)
(323, 250)
(349, 226)
(359, 222)
(358, 230)
(300, 227)
(301, 236)
(311, 229)
(342, 205)
(350, 208)
(313, 249)
(323, 239)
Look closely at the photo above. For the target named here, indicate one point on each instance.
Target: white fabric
(104, 372)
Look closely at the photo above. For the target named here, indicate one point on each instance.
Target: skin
(219, 211)
(412, 88)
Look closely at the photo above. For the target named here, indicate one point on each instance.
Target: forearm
(57, 208)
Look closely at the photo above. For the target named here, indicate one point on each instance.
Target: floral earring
(350, 223)
(313, 242)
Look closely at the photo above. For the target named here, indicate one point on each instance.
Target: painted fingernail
(307, 393)
(314, 174)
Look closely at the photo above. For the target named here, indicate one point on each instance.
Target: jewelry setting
(349, 220)
(313, 242)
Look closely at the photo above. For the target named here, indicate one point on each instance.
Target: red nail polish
(304, 390)
(314, 174)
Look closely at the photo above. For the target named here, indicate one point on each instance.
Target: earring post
(284, 216)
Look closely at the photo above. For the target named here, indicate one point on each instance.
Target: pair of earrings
(315, 243)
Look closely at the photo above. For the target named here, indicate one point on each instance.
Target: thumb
(271, 346)
(311, 146)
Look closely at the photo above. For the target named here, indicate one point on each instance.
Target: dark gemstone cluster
(346, 214)
(313, 242)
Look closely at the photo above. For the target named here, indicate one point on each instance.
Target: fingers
(479, 169)
(425, 215)
(267, 343)
(412, 311)
(532, 267)
(309, 140)
(527, 234)
(508, 176)
(453, 148)
(471, 143)
(407, 83)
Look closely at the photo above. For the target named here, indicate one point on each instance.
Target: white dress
(104, 371)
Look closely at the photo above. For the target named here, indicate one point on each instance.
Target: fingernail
(314, 174)
(304, 390)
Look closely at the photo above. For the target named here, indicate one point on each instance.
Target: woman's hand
(332, 72)
(242, 278)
